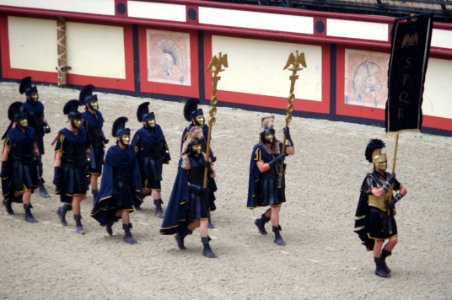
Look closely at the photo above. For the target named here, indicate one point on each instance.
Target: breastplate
(380, 202)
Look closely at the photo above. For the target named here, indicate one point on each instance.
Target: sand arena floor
(323, 258)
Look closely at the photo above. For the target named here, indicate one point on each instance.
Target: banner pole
(395, 152)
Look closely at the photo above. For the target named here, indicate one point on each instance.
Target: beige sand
(323, 258)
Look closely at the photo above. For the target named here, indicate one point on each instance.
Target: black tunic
(263, 187)
(35, 112)
(198, 201)
(211, 182)
(152, 154)
(187, 204)
(95, 140)
(73, 163)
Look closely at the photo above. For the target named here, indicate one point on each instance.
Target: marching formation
(132, 168)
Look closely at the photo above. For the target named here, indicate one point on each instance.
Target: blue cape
(148, 135)
(80, 137)
(16, 135)
(115, 158)
(174, 210)
(255, 176)
(33, 108)
(94, 120)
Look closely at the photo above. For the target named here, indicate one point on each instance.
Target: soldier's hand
(280, 158)
(391, 178)
(57, 178)
(6, 172)
(196, 187)
(286, 131)
(166, 157)
(394, 200)
(391, 203)
(140, 195)
(46, 127)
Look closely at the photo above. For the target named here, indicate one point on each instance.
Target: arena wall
(161, 49)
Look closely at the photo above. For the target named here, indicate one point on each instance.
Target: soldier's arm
(262, 166)
(36, 149)
(402, 190)
(58, 156)
(5, 153)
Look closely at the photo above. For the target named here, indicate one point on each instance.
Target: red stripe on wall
(437, 122)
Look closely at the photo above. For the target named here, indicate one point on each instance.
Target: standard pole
(215, 66)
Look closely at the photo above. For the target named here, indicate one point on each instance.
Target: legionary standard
(189, 204)
(267, 168)
(374, 218)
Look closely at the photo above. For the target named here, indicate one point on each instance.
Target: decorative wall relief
(366, 77)
(168, 57)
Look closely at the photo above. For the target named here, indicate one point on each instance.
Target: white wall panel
(32, 44)
(255, 20)
(442, 38)
(102, 7)
(437, 89)
(96, 50)
(158, 11)
(357, 29)
(256, 67)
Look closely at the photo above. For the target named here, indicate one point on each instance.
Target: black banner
(407, 67)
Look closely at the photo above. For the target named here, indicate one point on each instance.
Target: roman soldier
(19, 172)
(188, 206)
(120, 184)
(152, 151)
(195, 116)
(36, 119)
(70, 166)
(93, 122)
(374, 219)
(267, 176)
